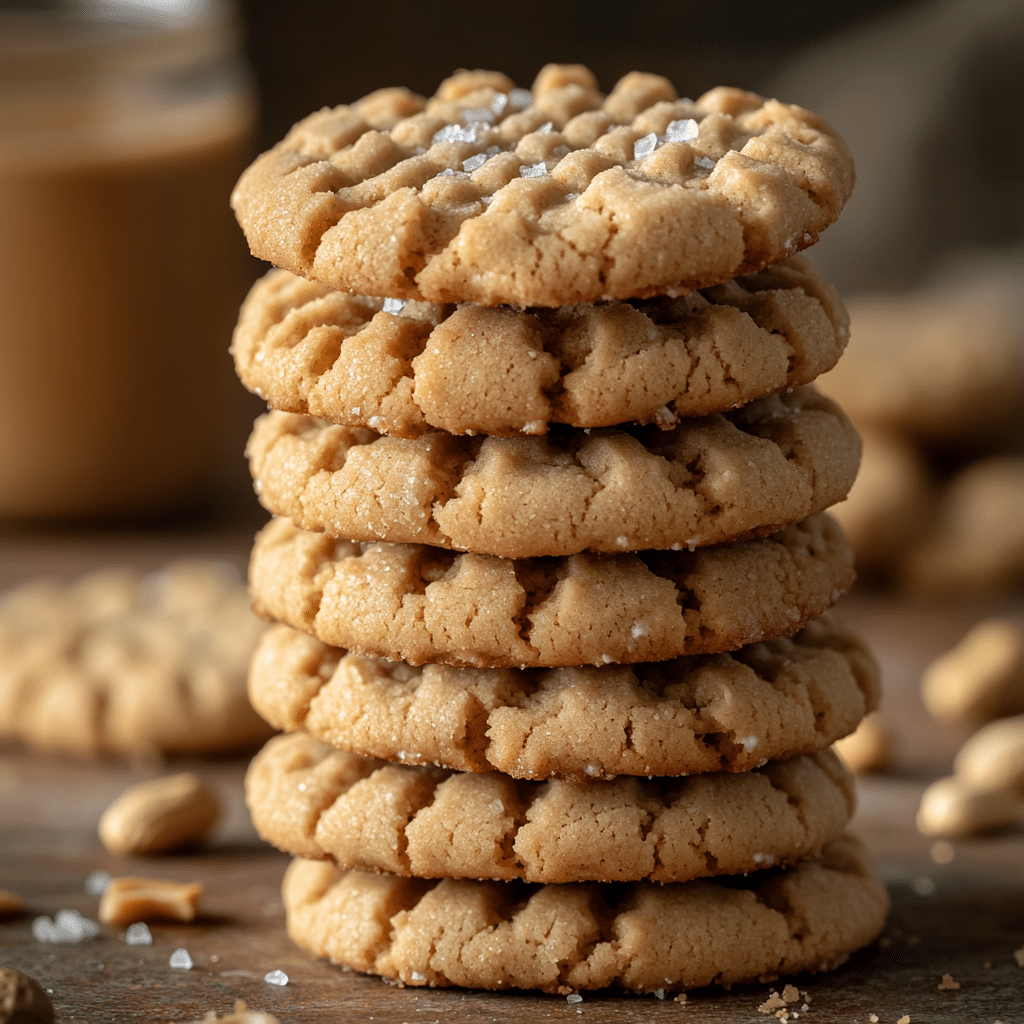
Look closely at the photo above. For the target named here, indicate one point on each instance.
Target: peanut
(981, 678)
(161, 815)
(950, 807)
(867, 749)
(10, 903)
(129, 899)
(993, 758)
(22, 1000)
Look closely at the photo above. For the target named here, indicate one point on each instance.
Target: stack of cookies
(550, 563)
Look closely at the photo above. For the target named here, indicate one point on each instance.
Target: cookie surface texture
(503, 371)
(722, 477)
(314, 801)
(417, 604)
(640, 936)
(117, 662)
(490, 194)
(726, 712)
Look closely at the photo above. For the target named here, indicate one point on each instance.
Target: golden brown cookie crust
(313, 801)
(498, 370)
(417, 604)
(726, 712)
(492, 195)
(640, 936)
(722, 477)
(118, 662)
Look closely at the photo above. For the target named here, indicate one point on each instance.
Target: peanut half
(161, 815)
(129, 899)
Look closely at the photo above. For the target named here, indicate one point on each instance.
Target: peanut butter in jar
(123, 127)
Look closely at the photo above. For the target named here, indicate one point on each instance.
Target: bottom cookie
(560, 938)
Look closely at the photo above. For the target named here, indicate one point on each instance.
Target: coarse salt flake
(704, 161)
(519, 99)
(533, 170)
(683, 130)
(455, 133)
(96, 884)
(278, 978)
(180, 960)
(645, 147)
(393, 305)
(545, 128)
(474, 162)
(478, 115)
(138, 934)
(574, 997)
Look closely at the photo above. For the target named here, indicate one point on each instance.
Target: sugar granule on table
(138, 934)
(68, 927)
(180, 960)
(96, 884)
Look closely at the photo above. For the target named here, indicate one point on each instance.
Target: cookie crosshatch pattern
(727, 712)
(491, 194)
(403, 368)
(723, 477)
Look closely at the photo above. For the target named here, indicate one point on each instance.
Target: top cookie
(490, 194)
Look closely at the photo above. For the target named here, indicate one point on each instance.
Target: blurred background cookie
(119, 663)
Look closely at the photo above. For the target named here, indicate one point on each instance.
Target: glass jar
(123, 127)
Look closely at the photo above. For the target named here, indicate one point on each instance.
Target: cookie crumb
(948, 984)
(987, 965)
(905, 1019)
(772, 1003)
(942, 852)
(681, 998)
(1018, 955)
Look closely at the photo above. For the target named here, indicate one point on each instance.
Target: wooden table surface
(964, 918)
